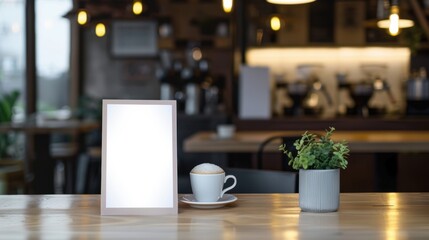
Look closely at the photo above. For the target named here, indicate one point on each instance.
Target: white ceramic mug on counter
(225, 130)
(207, 182)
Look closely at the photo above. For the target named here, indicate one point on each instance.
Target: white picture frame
(134, 38)
(139, 157)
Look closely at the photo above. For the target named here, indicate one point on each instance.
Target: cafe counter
(340, 123)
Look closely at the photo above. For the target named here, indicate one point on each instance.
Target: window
(52, 54)
(12, 50)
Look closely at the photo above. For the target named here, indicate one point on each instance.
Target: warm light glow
(137, 7)
(227, 5)
(378, 84)
(197, 54)
(290, 234)
(82, 17)
(275, 23)
(392, 217)
(395, 23)
(288, 59)
(402, 23)
(290, 2)
(337, 59)
(100, 30)
(293, 220)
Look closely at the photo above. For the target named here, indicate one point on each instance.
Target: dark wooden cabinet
(321, 22)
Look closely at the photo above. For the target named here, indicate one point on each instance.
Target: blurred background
(329, 62)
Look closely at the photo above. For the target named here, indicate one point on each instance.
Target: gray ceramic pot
(319, 190)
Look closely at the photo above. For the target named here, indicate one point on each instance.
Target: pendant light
(138, 7)
(100, 29)
(82, 16)
(227, 5)
(290, 2)
(394, 23)
(101, 24)
(275, 23)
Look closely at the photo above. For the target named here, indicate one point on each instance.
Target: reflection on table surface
(257, 216)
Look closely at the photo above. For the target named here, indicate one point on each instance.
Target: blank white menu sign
(139, 162)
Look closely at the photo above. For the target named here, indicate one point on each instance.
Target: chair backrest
(263, 181)
(288, 140)
(253, 181)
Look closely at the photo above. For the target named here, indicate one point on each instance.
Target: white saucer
(190, 199)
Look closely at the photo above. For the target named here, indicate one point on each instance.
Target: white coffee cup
(225, 130)
(207, 186)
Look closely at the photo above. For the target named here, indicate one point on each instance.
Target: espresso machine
(418, 93)
(304, 92)
(361, 92)
(298, 92)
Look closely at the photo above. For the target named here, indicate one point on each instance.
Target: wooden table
(43, 165)
(358, 141)
(264, 216)
(385, 145)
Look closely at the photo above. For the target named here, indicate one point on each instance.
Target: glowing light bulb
(137, 7)
(100, 30)
(82, 17)
(275, 23)
(197, 54)
(394, 24)
(227, 5)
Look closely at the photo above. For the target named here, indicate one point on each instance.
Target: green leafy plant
(89, 108)
(7, 102)
(314, 152)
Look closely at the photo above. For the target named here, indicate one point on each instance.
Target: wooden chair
(288, 140)
(263, 181)
(12, 177)
(88, 175)
(253, 181)
(66, 153)
(184, 183)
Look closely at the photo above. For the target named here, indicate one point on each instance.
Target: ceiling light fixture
(82, 17)
(227, 5)
(100, 29)
(394, 23)
(275, 23)
(290, 2)
(137, 7)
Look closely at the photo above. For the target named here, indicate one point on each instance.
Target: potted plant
(318, 159)
(7, 103)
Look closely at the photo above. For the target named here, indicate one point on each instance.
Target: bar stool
(66, 154)
(93, 176)
(88, 178)
(288, 140)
